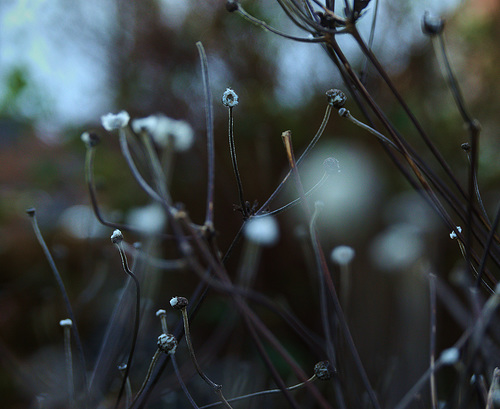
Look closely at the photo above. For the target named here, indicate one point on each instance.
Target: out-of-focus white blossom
(262, 230)
(450, 356)
(342, 255)
(165, 130)
(111, 121)
(148, 219)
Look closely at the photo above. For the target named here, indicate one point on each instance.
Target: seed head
(116, 237)
(179, 303)
(331, 165)
(159, 313)
(336, 98)
(230, 98)
(90, 139)
(66, 323)
(232, 5)
(432, 25)
(466, 146)
(167, 343)
(324, 370)
(115, 121)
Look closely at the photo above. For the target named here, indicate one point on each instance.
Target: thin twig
(209, 118)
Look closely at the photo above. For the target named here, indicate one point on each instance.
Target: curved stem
(136, 318)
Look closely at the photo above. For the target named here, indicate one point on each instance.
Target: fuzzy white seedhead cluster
(167, 343)
(262, 230)
(230, 98)
(342, 255)
(165, 130)
(453, 235)
(111, 121)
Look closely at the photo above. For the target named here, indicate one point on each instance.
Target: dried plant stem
(209, 218)
(495, 384)
(127, 270)
(232, 152)
(128, 388)
(294, 202)
(311, 145)
(216, 387)
(323, 268)
(267, 27)
(152, 366)
(261, 393)
(32, 213)
(69, 365)
(346, 114)
(432, 297)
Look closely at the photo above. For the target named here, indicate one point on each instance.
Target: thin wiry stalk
(247, 313)
(364, 71)
(32, 213)
(267, 27)
(89, 176)
(294, 202)
(311, 145)
(232, 152)
(215, 387)
(136, 318)
(432, 342)
(181, 382)
(487, 247)
(325, 316)
(209, 118)
(261, 393)
(407, 110)
(286, 136)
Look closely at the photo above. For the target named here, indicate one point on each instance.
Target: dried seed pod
(179, 303)
(336, 98)
(167, 343)
(432, 25)
(116, 237)
(229, 98)
(232, 5)
(324, 370)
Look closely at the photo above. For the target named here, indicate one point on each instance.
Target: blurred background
(64, 65)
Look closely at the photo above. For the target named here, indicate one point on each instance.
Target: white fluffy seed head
(229, 98)
(116, 237)
(453, 235)
(179, 302)
(66, 323)
(167, 343)
(262, 230)
(111, 121)
(165, 130)
(342, 255)
(161, 312)
(450, 356)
